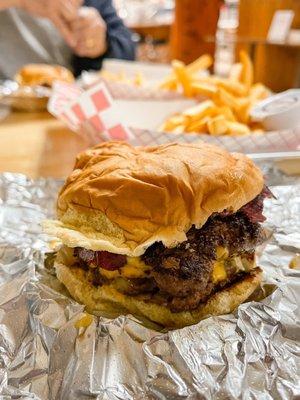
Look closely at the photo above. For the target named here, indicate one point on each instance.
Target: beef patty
(183, 274)
(185, 271)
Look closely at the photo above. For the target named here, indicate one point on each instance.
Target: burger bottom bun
(106, 299)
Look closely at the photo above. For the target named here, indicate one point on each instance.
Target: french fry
(242, 110)
(202, 63)
(172, 123)
(259, 92)
(204, 89)
(179, 129)
(235, 88)
(169, 84)
(235, 73)
(226, 112)
(223, 98)
(199, 126)
(200, 111)
(247, 70)
(177, 119)
(237, 129)
(217, 125)
(183, 77)
(121, 77)
(138, 79)
(166, 127)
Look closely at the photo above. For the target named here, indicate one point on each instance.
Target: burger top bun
(43, 75)
(122, 199)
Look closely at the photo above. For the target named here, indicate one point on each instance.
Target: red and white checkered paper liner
(93, 114)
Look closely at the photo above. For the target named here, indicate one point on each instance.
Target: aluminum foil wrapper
(251, 354)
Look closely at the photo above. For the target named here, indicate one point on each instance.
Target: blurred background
(203, 69)
(185, 29)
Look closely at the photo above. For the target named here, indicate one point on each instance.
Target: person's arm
(119, 42)
(60, 12)
(5, 4)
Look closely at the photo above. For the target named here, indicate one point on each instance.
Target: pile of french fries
(121, 77)
(226, 110)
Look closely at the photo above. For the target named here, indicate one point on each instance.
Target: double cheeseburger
(167, 232)
(43, 75)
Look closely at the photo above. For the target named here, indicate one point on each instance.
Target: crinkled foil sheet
(252, 354)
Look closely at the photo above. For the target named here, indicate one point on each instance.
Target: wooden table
(37, 145)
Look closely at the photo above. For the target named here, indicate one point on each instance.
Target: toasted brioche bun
(43, 74)
(105, 299)
(122, 199)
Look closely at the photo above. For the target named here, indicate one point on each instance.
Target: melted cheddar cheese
(222, 253)
(219, 271)
(134, 268)
(84, 322)
(109, 274)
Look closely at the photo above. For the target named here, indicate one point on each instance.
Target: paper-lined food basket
(127, 80)
(95, 115)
